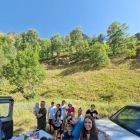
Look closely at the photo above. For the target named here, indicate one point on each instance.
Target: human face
(69, 127)
(69, 105)
(88, 124)
(63, 102)
(70, 119)
(92, 107)
(37, 104)
(58, 106)
(52, 104)
(58, 113)
(79, 111)
(42, 104)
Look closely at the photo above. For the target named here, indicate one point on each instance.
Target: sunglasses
(69, 120)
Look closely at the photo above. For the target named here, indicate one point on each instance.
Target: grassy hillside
(108, 88)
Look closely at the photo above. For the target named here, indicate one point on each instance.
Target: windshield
(4, 109)
(128, 118)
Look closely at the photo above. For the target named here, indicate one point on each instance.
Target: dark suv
(6, 115)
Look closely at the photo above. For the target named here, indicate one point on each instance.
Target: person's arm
(54, 122)
(108, 137)
(41, 114)
(87, 113)
(97, 116)
(62, 136)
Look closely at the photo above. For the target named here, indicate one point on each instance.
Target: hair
(69, 124)
(56, 114)
(69, 115)
(58, 104)
(93, 105)
(93, 131)
(81, 111)
(43, 138)
(43, 101)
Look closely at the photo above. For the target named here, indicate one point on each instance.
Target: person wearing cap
(92, 112)
(51, 115)
(71, 109)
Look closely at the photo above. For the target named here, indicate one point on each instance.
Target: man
(51, 115)
(63, 108)
(41, 116)
(92, 112)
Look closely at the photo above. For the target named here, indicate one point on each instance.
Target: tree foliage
(98, 55)
(25, 72)
(76, 35)
(116, 33)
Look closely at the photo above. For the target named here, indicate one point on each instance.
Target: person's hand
(60, 121)
(108, 137)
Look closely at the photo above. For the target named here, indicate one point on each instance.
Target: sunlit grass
(109, 88)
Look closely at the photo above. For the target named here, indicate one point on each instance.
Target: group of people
(78, 127)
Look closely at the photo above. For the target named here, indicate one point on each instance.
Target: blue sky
(50, 17)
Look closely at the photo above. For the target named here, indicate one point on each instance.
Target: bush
(28, 95)
(130, 53)
(98, 55)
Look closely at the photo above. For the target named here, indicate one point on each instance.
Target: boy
(36, 108)
(67, 135)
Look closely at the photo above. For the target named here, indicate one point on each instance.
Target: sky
(50, 17)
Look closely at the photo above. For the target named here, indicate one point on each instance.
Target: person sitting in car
(92, 112)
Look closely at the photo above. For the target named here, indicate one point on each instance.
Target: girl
(71, 109)
(80, 116)
(56, 123)
(90, 132)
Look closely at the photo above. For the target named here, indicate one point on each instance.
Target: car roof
(135, 105)
(5, 98)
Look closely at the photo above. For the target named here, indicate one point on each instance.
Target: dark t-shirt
(67, 136)
(42, 120)
(92, 113)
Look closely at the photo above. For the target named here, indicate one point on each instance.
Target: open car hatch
(6, 115)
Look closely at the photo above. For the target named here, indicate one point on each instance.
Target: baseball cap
(52, 102)
(69, 103)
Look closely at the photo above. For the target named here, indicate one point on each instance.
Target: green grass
(109, 88)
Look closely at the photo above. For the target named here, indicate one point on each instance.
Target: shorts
(55, 128)
(64, 119)
(50, 122)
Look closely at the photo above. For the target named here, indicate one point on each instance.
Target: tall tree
(100, 37)
(56, 41)
(116, 33)
(68, 44)
(45, 47)
(76, 35)
(32, 38)
(25, 71)
(9, 50)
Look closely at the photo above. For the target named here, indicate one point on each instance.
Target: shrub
(130, 53)
(98, 55)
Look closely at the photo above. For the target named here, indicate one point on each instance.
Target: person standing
(51, 111)
(71, 109)
(41, 116)
(92, 112)
(63, 108)
(80, 116)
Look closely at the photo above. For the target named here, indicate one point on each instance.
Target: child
(67, 135)
(36, 108)
(56, 123)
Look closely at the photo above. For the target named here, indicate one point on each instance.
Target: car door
(6, 115)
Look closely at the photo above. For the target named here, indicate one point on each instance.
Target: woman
(80, 116)
(56, 124)
(90, 132)
(77, 127)
(71, 109)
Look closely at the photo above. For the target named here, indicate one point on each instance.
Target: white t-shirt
(51, 112)
(63, 110)
(81, 117)
(101, 136)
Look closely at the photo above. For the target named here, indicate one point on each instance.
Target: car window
(4, 109)
(129, 118)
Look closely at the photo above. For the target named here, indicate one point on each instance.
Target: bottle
(31, 136)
